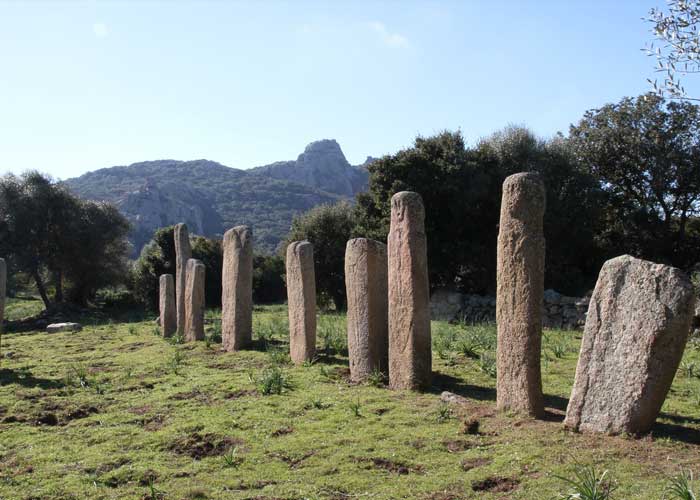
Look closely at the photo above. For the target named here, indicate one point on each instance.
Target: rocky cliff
(322, 165)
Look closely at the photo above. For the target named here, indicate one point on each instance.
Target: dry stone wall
(559, 311)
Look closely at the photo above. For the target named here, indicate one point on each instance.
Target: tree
(645, 153)
(461, 190)
(268, 279)
(57, 238)
(328, 228)
(677, 49)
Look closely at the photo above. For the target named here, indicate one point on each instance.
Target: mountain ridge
(211, 197)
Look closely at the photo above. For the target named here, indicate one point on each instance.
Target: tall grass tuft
(680, 487)
(588, 484)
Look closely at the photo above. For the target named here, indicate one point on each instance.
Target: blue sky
(86, 85)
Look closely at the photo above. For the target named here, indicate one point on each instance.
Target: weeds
(444, 413)
(175, 362)
(232, 459)
(376, 378)
(680, 487)
(279, 356)
(273, 381)
(487, 363)
(355, 408)
(588, 484)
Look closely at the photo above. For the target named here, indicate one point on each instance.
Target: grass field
(115, 411)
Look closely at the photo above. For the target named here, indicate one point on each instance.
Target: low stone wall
(559, 310)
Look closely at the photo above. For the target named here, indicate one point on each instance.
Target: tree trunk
(42, 289)
(58, 296)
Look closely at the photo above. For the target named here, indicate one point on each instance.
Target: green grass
(22, 307)
(117, 412)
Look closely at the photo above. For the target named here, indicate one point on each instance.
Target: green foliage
(70, 245)
(328, 228)
(268, 279)
(461, 191)
(680, 487)
(158, 257)
(677, 45)
(588, 484)
(644, 151)
(273, 381)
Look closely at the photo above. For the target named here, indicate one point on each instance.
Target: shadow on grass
(24, 377)
(676, 432)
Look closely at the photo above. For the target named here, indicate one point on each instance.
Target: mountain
(211, 197)
(322, 165)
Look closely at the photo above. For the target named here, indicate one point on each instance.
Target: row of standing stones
(636, 329)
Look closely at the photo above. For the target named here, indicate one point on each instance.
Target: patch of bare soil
(393, 466)
(241, 393)
(293, 460)
(282, 431)
(198, 445)
(452, 494)
(253, 485)
(496, 484)
(472, 463)
(195, 394)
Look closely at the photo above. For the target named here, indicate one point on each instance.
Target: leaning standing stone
(183, 253)
(194, 301)
(168, 309)
(519, 296)
(3, 286)
(237, 291)
(301, 301)
(410, 355)
(636, 330)
(366, 287)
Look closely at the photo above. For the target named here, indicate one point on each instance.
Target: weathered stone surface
(301, 301)
(519, 296)
(183, 252)
(63, 327)
(636, 331)
(366, 287)
(194, 301)
(3, 286)
(168, 307)
(237, 289)
(410, 355)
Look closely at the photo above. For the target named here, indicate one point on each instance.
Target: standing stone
(3, 286)
(183, 253)
(168, 308)
(301, 301)
(410, 355)
(519, 296)
(194, 301)
(237, 290)
(637, 327)
(366, 287)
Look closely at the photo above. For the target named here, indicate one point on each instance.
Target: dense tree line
(69, 247)
(158, 257)
(625, 180)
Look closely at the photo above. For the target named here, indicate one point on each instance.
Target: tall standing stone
(410, 355)
(636, 330)
(3, 286)
(301, 301)
(168, 307)
(519, 296)
(366, 287)
(183, 252)
(237, 289)
(194, 301)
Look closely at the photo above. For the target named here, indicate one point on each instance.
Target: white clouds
(100, 30)
(395, 40)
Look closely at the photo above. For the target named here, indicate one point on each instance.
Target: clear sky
(86, 85)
